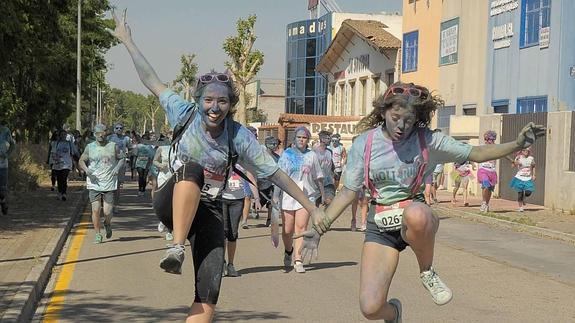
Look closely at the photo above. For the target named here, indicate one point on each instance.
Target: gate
(512, 124)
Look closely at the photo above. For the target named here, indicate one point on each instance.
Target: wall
(558, 180)
(463, 83)
(426, 19)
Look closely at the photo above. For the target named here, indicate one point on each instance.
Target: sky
(164, 30)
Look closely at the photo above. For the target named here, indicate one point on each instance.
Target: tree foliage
(38, 55)
(136, 111)
(187, 77)
(245, 61)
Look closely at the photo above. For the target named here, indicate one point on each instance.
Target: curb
(533, 230)
(24, 302)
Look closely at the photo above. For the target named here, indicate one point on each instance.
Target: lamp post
(79, 71)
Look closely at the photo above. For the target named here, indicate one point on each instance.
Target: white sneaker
(440, 293)
(169, 236)
(298, 267)
(161, 227)
(483, 207)
(172, 261)
(521, 209)
(397, 304)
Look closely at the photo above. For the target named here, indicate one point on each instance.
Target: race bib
(213, 184)
(234, 183)
(389, 217)
(525, 172)
(143, 159)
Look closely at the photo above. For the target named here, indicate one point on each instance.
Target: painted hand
(122, 31)
(529, 134)
(310, 247)
(321, 223)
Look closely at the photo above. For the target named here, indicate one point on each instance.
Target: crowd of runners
(210, 173)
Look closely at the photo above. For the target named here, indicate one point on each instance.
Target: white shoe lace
(432, 281)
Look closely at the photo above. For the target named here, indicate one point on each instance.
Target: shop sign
(501, 35)
(314, 26)
(544, 37)
(448, 42)
(501, 6)
(343, 128)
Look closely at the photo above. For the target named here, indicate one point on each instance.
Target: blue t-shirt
(198, 146)
(393, 166)
(6, 142)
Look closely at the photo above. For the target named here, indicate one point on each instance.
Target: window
(375, 87)
(363, 97)
(535, 14)
(500, 106)
(532, 104)
(310, 66)
(341, 98)
(352, 98)
(470, 109)
(443, 116)
(409, 59)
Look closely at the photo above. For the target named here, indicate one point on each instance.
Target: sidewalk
(536, 219)
(31, 237)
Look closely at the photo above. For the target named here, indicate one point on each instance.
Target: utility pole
(79, 71)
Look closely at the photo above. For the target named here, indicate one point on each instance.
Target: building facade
(307, 41)
(267, 96)
(530, 56)
(361, 62)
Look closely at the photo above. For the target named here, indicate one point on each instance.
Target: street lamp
(79, 71)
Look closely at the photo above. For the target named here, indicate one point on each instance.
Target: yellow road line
(56, 302)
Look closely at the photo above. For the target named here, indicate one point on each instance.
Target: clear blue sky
(164, 30)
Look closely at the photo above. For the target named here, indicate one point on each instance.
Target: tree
(187, 78)
(152, 107)
(38, 55)
(245, 62)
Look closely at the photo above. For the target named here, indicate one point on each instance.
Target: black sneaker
(63, 197)
(4, 208)
(108, 227)
(268, 222)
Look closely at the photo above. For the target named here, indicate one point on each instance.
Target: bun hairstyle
(490, 135)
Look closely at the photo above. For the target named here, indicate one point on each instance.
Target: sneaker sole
(171, 265)
(397, 304)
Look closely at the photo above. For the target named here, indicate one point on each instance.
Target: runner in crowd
(144, 154)
(302, 166)
(162, 164)
(436, 181)
(50, 160)
(7, 146)
(392, 157)
(233, 199)
(461, 176)
(134, 138)
(249, 190)
(339, 155)
(523, 182)
(202, 160)
(62, 162)
(361, 201)
(487, 173)
(104, 161)
(325, 158)
(265, 187)
(124, 143)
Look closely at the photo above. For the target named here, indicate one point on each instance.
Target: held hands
(122, 31)
(529, 134)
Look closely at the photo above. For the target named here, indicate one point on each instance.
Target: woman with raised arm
(201, 164)
(392, 157)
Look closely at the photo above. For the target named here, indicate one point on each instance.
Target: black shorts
(266, 195)
(391, 239)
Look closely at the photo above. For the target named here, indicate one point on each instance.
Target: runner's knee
(418, 217)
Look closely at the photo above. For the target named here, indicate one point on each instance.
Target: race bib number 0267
(388, 218)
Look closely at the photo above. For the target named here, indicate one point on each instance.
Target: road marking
(56, 302)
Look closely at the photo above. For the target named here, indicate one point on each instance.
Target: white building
(361, 61)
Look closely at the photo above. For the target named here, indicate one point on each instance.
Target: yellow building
(420, 51)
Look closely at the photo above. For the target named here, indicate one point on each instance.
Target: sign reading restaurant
(343, 128)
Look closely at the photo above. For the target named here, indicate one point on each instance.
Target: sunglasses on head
(209, 78)
(407, 90)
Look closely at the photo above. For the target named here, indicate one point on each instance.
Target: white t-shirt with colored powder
(303, 169)
(524, 165)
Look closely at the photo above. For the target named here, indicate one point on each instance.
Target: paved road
(496, 275)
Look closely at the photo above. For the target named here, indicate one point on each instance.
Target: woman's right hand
(122, 31)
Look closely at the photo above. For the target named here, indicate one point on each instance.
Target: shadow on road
(242, 316)
(90, 307)
(111, 256)
(327, 265)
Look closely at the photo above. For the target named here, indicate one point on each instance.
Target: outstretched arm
(145, 71)
(526, 138)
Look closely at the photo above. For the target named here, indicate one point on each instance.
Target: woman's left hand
(529, 134)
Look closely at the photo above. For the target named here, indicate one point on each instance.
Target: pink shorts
(487, 178)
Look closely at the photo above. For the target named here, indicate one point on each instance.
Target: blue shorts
(485, 184)
(519, 186)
